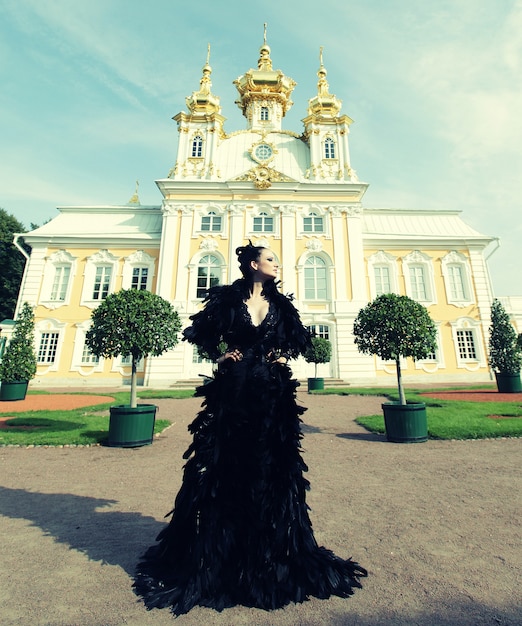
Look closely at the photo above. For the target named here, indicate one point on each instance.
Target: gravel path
(437, 525)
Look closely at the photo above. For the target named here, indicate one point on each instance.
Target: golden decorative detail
(204, 101)
(135, 198)
(265, 82)
(263, 177)
(324, 104)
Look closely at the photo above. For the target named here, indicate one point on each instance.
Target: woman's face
(266, 266)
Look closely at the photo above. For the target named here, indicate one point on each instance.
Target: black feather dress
(240, 531)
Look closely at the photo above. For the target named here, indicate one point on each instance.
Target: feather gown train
(240, 532)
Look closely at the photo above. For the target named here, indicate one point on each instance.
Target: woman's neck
(257, 289)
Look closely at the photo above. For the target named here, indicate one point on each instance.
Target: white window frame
(309, 211)
(472, 326)
(99, 259)
(205, 211)
(452, 260)
(382, 259)
(84, 369)
(122, 365)
(263, 109)
(414, 260)
(49, 325)
(197, 146)
(138, 259)
(302, 274)
(264, 211)
(432, 365)
(329, 149)
(194, 267)
(60, 259)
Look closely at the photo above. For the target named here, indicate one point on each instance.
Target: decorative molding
(208, 244)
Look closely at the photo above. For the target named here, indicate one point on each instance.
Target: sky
(434, 89)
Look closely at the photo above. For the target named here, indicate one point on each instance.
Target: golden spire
(264, 83)
(204, 101)
(135, 198)
(265, 62)
(324, 103)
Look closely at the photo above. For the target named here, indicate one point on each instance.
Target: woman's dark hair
(245, 255)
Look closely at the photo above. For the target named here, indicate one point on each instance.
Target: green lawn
(451, 419)
(447, 419)
(84, 426)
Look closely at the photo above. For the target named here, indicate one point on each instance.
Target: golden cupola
(324, 104)
(264, 94)
(204, 101)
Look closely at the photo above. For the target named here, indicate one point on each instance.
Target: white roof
(115, 222)
(408, 223)
(291, 159)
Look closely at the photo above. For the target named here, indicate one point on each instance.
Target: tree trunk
(133, 394)
(402, 395)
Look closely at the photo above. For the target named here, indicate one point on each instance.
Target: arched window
(208, 274)
(315, 277)
(329, 148)
(197, 147)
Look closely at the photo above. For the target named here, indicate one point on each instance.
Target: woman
(240, 531)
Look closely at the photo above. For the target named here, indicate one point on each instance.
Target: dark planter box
(508, 383)
(315, 384)
(405, 423)
(14, 391)
(131, 427)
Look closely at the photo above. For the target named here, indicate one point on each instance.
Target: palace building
(293, 191)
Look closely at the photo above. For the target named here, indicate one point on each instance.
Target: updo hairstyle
(247, 254)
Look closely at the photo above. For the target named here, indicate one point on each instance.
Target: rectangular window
(382, 280)
(418, 283)
(263, 224)
(211, 223)
(88, 357)
(466, 345)
(102, 282)
(60, 283)
(320, 330)
(48, 347)
(315, 283)
(140, 277)
(313, 224)
(456, 280)
(264, 114)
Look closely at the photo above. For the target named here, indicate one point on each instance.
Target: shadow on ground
(83, 523)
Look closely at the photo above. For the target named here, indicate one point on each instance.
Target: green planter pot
(405, 423)
(131, 427)
(315, 384)
(14, 391)
(508, 383)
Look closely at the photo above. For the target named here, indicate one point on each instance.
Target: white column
(183, 252)
(164, 286)
(236, 238)
(339, 254)
(288, 239)
(356, 253)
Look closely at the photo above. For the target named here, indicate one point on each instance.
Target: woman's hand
(234, 355)
(272, 356)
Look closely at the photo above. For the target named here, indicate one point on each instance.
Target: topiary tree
(19, 358)
(505, 347)
(319, 351)
(392, 327)
(133, 323)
